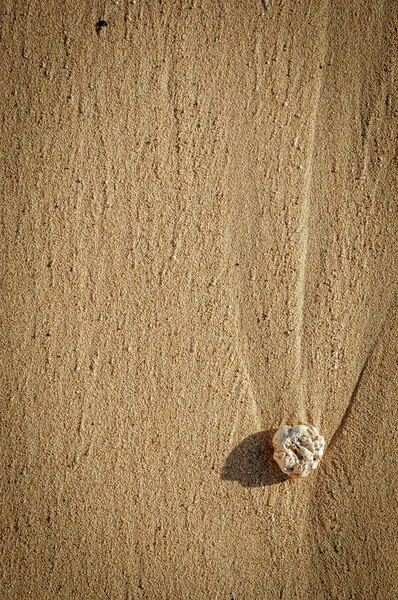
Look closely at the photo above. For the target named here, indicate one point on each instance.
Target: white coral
(298, 450)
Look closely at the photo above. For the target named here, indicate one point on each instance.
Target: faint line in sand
(354, 394)
(305, 224)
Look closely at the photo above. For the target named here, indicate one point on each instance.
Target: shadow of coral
(251, 462)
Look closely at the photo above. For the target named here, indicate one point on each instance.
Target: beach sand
(199, 244)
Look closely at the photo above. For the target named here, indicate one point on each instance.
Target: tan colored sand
(198, 244)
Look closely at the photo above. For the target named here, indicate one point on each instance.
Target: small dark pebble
(100, 25)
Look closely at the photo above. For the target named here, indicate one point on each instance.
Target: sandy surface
(199, 244)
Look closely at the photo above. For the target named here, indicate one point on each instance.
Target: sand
(198, 245)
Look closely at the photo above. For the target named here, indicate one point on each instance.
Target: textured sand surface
(198, 244)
